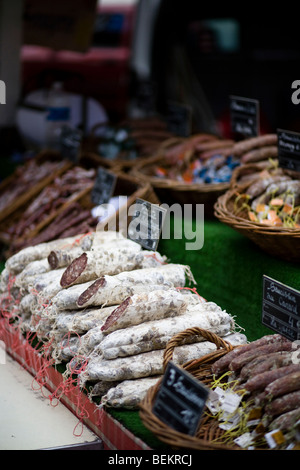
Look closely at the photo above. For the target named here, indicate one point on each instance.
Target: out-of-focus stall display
(132, 141)
(263, 201)
(196, 169)
(50, 197)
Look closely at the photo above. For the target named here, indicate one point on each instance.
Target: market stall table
(30, 422)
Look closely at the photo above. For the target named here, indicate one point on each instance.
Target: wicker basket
(23, 199)
(280, 242)
(172, 191)
(209, 435)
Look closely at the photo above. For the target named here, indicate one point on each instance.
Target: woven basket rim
(225, 215)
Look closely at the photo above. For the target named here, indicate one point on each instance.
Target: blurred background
(120, 59)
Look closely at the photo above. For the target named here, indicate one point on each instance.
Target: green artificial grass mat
(131, 421)
(229, 271)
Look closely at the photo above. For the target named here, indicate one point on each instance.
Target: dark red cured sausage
(74, 270)
(116, 313)
(90, 291)
(238, 362)
(264, 363)
(286, 421)
(283, 404)
(259, 154)
(223, 363)
(254, 142)
(286, 384)
(260, 381)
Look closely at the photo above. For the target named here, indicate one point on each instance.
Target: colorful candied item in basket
(216, 169)
(273, 199)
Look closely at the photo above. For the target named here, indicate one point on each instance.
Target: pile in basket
(263, 203)
(254, 396)
(104, 308)
(187, 170)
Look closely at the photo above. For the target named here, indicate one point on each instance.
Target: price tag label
(146, 95)
(281, 308)
(104, 186)
(244, 116)
(70, 143)
(289, 149)
(180, 400)
(179, 119)
(146, 224)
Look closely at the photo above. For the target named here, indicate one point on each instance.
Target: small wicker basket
(280, 242)
(209, 434)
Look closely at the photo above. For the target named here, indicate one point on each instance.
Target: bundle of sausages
(267, 373)
(256, 149)
(26, 178)
(63, 190)
(101, 301)
(272, 197)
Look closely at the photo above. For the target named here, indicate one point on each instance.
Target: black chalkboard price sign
(180, 400)
(244, 116)
(104, 186)
(179, 119)
(146, 223)
(281, 308)
(70, 143)
(288, 149)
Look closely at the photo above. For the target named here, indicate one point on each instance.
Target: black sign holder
(281, 308)
(179, 119)
(180, 400)
(288, 149)
(146, 224)
(70, 143)
(244, 115)
(104, 186)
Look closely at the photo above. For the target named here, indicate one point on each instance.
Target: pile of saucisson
(265, 374)
(106, 308)
(56, 204)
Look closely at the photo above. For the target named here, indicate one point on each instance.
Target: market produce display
(256, 149)
(132, 139)
(200, 158)
(106, 308)
(57, 203)
(262, 382)
(25, 180)
(262, 203)
(272, 198)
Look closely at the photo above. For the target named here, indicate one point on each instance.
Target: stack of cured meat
(106, 308)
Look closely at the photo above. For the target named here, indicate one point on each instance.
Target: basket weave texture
(279, 242)
(209, 435)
